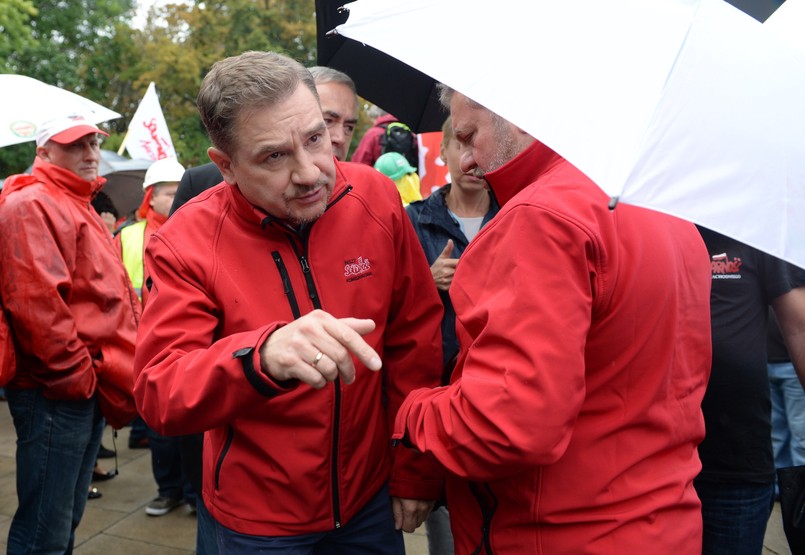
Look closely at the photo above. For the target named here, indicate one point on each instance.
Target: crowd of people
(320, 359)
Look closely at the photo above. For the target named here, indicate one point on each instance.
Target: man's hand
(409, 514)
(444, 267)
(317, 348)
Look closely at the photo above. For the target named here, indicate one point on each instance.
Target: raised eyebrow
(320, 127)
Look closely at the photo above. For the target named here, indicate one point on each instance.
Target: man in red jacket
(571, 422)
(292, 310)
(73, 318)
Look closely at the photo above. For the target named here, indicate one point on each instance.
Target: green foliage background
(91, 48)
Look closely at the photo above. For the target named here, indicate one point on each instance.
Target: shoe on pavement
(163, 505)
(141, 443)
(104, 453)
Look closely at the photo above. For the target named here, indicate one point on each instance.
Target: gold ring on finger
(317, 359)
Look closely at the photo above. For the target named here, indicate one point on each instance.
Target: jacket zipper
(485, 545)
(230, 435)
(292, 235)
(314, 299)
(286, 283)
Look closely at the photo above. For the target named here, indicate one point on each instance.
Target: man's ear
(43, 153)
(224, 163)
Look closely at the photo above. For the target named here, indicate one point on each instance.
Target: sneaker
(162, 505)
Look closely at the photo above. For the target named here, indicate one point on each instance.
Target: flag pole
(123, 144)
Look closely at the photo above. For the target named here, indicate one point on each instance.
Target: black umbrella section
(405, 92)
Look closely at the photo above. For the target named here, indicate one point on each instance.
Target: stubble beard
(295, 218)
(507, 148)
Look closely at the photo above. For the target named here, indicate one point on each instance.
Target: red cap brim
(75, 133)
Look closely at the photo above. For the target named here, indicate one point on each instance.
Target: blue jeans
(166, 465)
(206, 541)
(787, 415)
(735, 516)
(370, 532)
(56, 446)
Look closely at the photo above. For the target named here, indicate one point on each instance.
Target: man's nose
(466, 162)
(92, 152)
(305, 171)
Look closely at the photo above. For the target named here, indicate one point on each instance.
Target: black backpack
(398, 137)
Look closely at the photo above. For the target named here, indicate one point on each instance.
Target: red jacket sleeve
(527, 314)
(37, 250)
(226, 377)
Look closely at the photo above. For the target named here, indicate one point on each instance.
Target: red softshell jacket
(288, 459)
(71, 309)
(574, 414)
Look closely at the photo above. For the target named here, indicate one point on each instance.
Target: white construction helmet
(167, 170)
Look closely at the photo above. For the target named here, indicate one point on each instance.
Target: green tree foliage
(182, 41)
(15, 30)
(89, 47)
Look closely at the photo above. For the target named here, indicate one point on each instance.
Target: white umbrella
(788, 21)
(27, 102)
(689, 107)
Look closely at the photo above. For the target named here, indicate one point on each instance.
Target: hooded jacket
(284, 458)
(572, 421)
(71, 309)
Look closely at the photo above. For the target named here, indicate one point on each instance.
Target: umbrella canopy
(788, 22)
(690, 107)
(401, 90)
(28, 102)
(124, 180)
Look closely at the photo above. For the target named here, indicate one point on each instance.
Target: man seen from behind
(573, 415)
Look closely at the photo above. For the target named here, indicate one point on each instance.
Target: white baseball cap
(66, 129)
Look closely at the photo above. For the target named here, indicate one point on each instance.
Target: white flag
(148, 136)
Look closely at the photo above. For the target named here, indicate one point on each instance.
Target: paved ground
(117, 523)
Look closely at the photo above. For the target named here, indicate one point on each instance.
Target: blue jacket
(434, 226)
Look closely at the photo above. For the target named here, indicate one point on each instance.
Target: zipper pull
(305, 265)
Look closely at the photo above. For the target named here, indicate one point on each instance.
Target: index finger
(348, 331)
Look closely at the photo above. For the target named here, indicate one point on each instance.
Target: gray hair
(244, 82)
(324, 74)
(446, 97)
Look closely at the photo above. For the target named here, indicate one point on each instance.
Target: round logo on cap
(23, 129)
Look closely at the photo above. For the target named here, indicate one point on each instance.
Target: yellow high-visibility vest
(132, 239)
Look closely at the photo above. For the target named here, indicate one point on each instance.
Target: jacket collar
(52, 175)
(256, 215)
(435, 211)
(521, 171)
(155, 218)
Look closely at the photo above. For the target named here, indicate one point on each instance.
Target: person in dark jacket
(445, 223)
